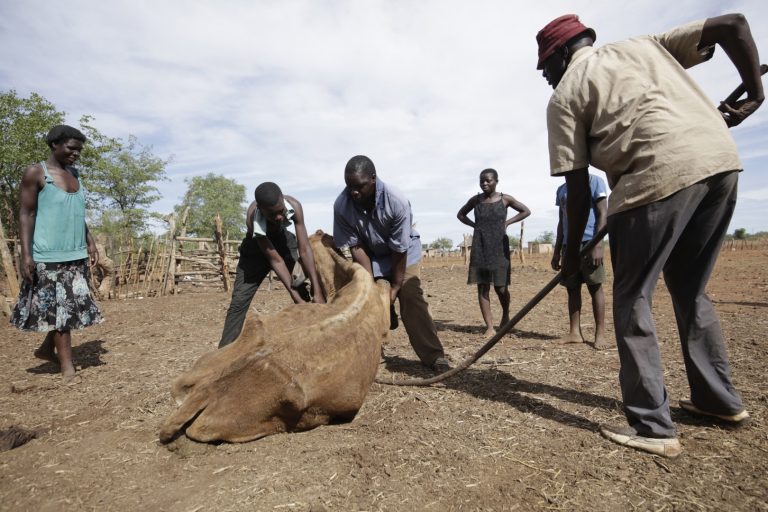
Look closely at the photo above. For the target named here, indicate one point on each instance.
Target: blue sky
(287, 91)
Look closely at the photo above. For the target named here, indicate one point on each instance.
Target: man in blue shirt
(375, 222)
(591, 271)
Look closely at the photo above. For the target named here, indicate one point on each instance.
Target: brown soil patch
(517, 431)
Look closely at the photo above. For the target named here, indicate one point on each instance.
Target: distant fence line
(746, 244)
(166, 265)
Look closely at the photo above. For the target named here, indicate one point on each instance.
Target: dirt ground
(517, 431)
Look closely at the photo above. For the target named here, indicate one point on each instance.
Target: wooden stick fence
(165, 265)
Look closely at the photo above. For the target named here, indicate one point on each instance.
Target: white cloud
(433, 91)
(760, 194)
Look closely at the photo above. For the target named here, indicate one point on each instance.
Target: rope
(502, 331)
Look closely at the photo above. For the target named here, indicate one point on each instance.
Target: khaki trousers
(418, 323)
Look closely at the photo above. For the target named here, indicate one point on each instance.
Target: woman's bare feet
(68, 372)
(70, 378)
(489, 331)
(46, 350)
(571, 337)
(600, 342)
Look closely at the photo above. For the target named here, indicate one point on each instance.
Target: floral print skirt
(58, 298)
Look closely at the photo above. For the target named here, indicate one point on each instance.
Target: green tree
(546, 237)
(209, 195)
(24, 123)
(740, 234)
(514, 242)
(121, 177)
(442, 244)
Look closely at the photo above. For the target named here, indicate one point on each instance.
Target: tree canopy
(209, 195)
(121, 177)
(442, 244)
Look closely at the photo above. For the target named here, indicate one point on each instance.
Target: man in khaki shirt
(631, 110)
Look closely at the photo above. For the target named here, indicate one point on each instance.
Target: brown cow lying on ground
(308, 365)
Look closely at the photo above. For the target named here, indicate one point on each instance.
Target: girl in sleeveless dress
(489, 257)
(55, 295)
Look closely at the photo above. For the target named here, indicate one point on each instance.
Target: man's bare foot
(46, 355)
(489, 331)
(571, 337)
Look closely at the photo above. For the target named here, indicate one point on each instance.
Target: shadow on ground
(84, 355)
(494, 384)
(479, 329)
(742, 303)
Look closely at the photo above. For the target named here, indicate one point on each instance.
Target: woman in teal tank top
(55, 296)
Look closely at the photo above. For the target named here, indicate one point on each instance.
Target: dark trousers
(252, 268)
(680, 236)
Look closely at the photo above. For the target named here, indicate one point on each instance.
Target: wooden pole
(10, 270)
(138, 266)
(129, 265)
(182, 232)
(183, 223)
(222, 252)
(122, 266)
(149, 256)
(161, 267)
(151, 263)
(169, 284)
(522, 230)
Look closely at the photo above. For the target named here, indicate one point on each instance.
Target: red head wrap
(557, 33)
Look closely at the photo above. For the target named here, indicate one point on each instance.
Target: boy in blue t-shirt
(591, 271)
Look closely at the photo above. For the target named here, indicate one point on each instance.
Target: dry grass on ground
(517, 431)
